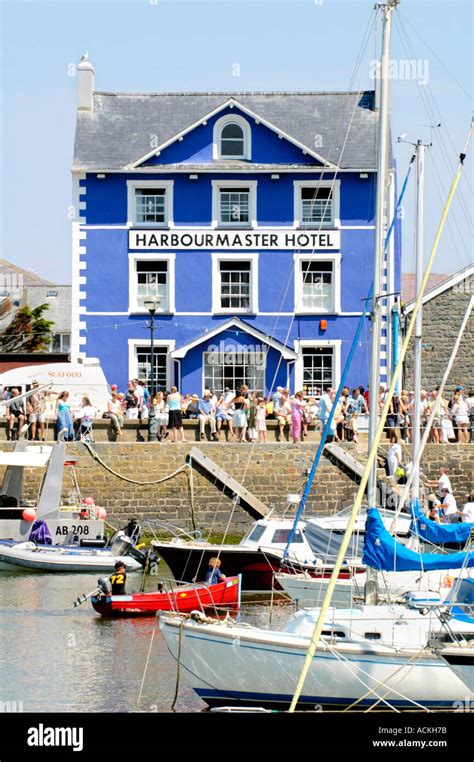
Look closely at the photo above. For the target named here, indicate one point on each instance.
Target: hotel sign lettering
(240, 240)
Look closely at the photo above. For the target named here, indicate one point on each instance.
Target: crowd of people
(244, 413)
(442, 505)
(28, 417)
(453, 418)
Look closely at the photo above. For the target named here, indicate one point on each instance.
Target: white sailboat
(378, 652)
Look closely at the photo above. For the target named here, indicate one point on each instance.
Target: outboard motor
(121, 544)
(103, 583)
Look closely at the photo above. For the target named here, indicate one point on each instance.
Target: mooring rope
(146, 664)
(126, 478)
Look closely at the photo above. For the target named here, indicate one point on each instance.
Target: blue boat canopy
(430, 531)
(383, 552)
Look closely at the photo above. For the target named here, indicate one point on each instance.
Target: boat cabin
(273, 535)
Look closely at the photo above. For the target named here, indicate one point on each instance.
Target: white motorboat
(188, 558)
(27, 556)
(262, 551)
(375, 655)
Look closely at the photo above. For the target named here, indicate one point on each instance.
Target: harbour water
(58, 658)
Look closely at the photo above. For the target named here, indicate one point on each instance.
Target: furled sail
(430, 531)
(383, 552)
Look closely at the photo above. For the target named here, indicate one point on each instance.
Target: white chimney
(85, 84)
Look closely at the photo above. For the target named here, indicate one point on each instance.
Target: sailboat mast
(419, 238)
(382, 162)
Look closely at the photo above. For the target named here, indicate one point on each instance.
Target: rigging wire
(431, 107)
(405, 20)
(380, 427)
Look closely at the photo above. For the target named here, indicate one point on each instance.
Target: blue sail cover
(430, 531)
(383, 552)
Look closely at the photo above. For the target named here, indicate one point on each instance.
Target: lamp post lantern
(152, 304)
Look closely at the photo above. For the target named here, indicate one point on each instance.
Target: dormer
(232, 138)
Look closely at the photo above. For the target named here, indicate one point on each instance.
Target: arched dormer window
(232, 138)
(232, 141)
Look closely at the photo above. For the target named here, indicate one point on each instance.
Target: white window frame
(61, 349)
(336, 283)
(233, 351)
(298, 185)
(217, 257)
(301, 344)
(133, 345)
(133, 185)
(133, 258)
(217, 186)
(218, 127)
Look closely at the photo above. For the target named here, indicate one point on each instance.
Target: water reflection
(57, 658)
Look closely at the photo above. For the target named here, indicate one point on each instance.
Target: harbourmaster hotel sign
(240, 240)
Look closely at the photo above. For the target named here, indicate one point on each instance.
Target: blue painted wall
(196, 147)
(107, 262)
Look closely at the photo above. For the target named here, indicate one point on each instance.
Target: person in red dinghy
(118, 579)
(214, 574)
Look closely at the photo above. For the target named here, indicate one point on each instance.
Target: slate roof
(33, 290)
(60, 306)
(117, 131)
(20, 275)
(409, 285)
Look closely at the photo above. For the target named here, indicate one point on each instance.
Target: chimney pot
(85, 84)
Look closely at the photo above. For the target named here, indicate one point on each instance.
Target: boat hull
(262, 669)
(16, 558)
(461, 662)
(256, 566)
(309, 592)
(182, 599)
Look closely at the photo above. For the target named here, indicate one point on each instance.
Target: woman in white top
(85, 417)
(468, 510)
(161, 415)
(460, 411)
(115, 411)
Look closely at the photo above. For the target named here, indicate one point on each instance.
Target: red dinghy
(181, 599)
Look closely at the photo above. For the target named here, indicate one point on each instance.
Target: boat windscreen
(326, 543)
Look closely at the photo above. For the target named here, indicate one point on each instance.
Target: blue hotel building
(249, 215)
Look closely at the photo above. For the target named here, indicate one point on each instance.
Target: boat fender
(198, 616)
(103, 583)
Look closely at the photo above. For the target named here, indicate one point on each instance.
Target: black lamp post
(152, 304)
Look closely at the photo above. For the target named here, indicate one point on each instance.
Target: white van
(83, 379)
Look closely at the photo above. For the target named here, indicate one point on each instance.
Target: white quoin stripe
(79, 249)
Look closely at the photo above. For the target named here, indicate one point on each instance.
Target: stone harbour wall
(271, 472)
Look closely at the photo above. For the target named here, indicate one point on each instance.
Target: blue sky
(169, 45)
